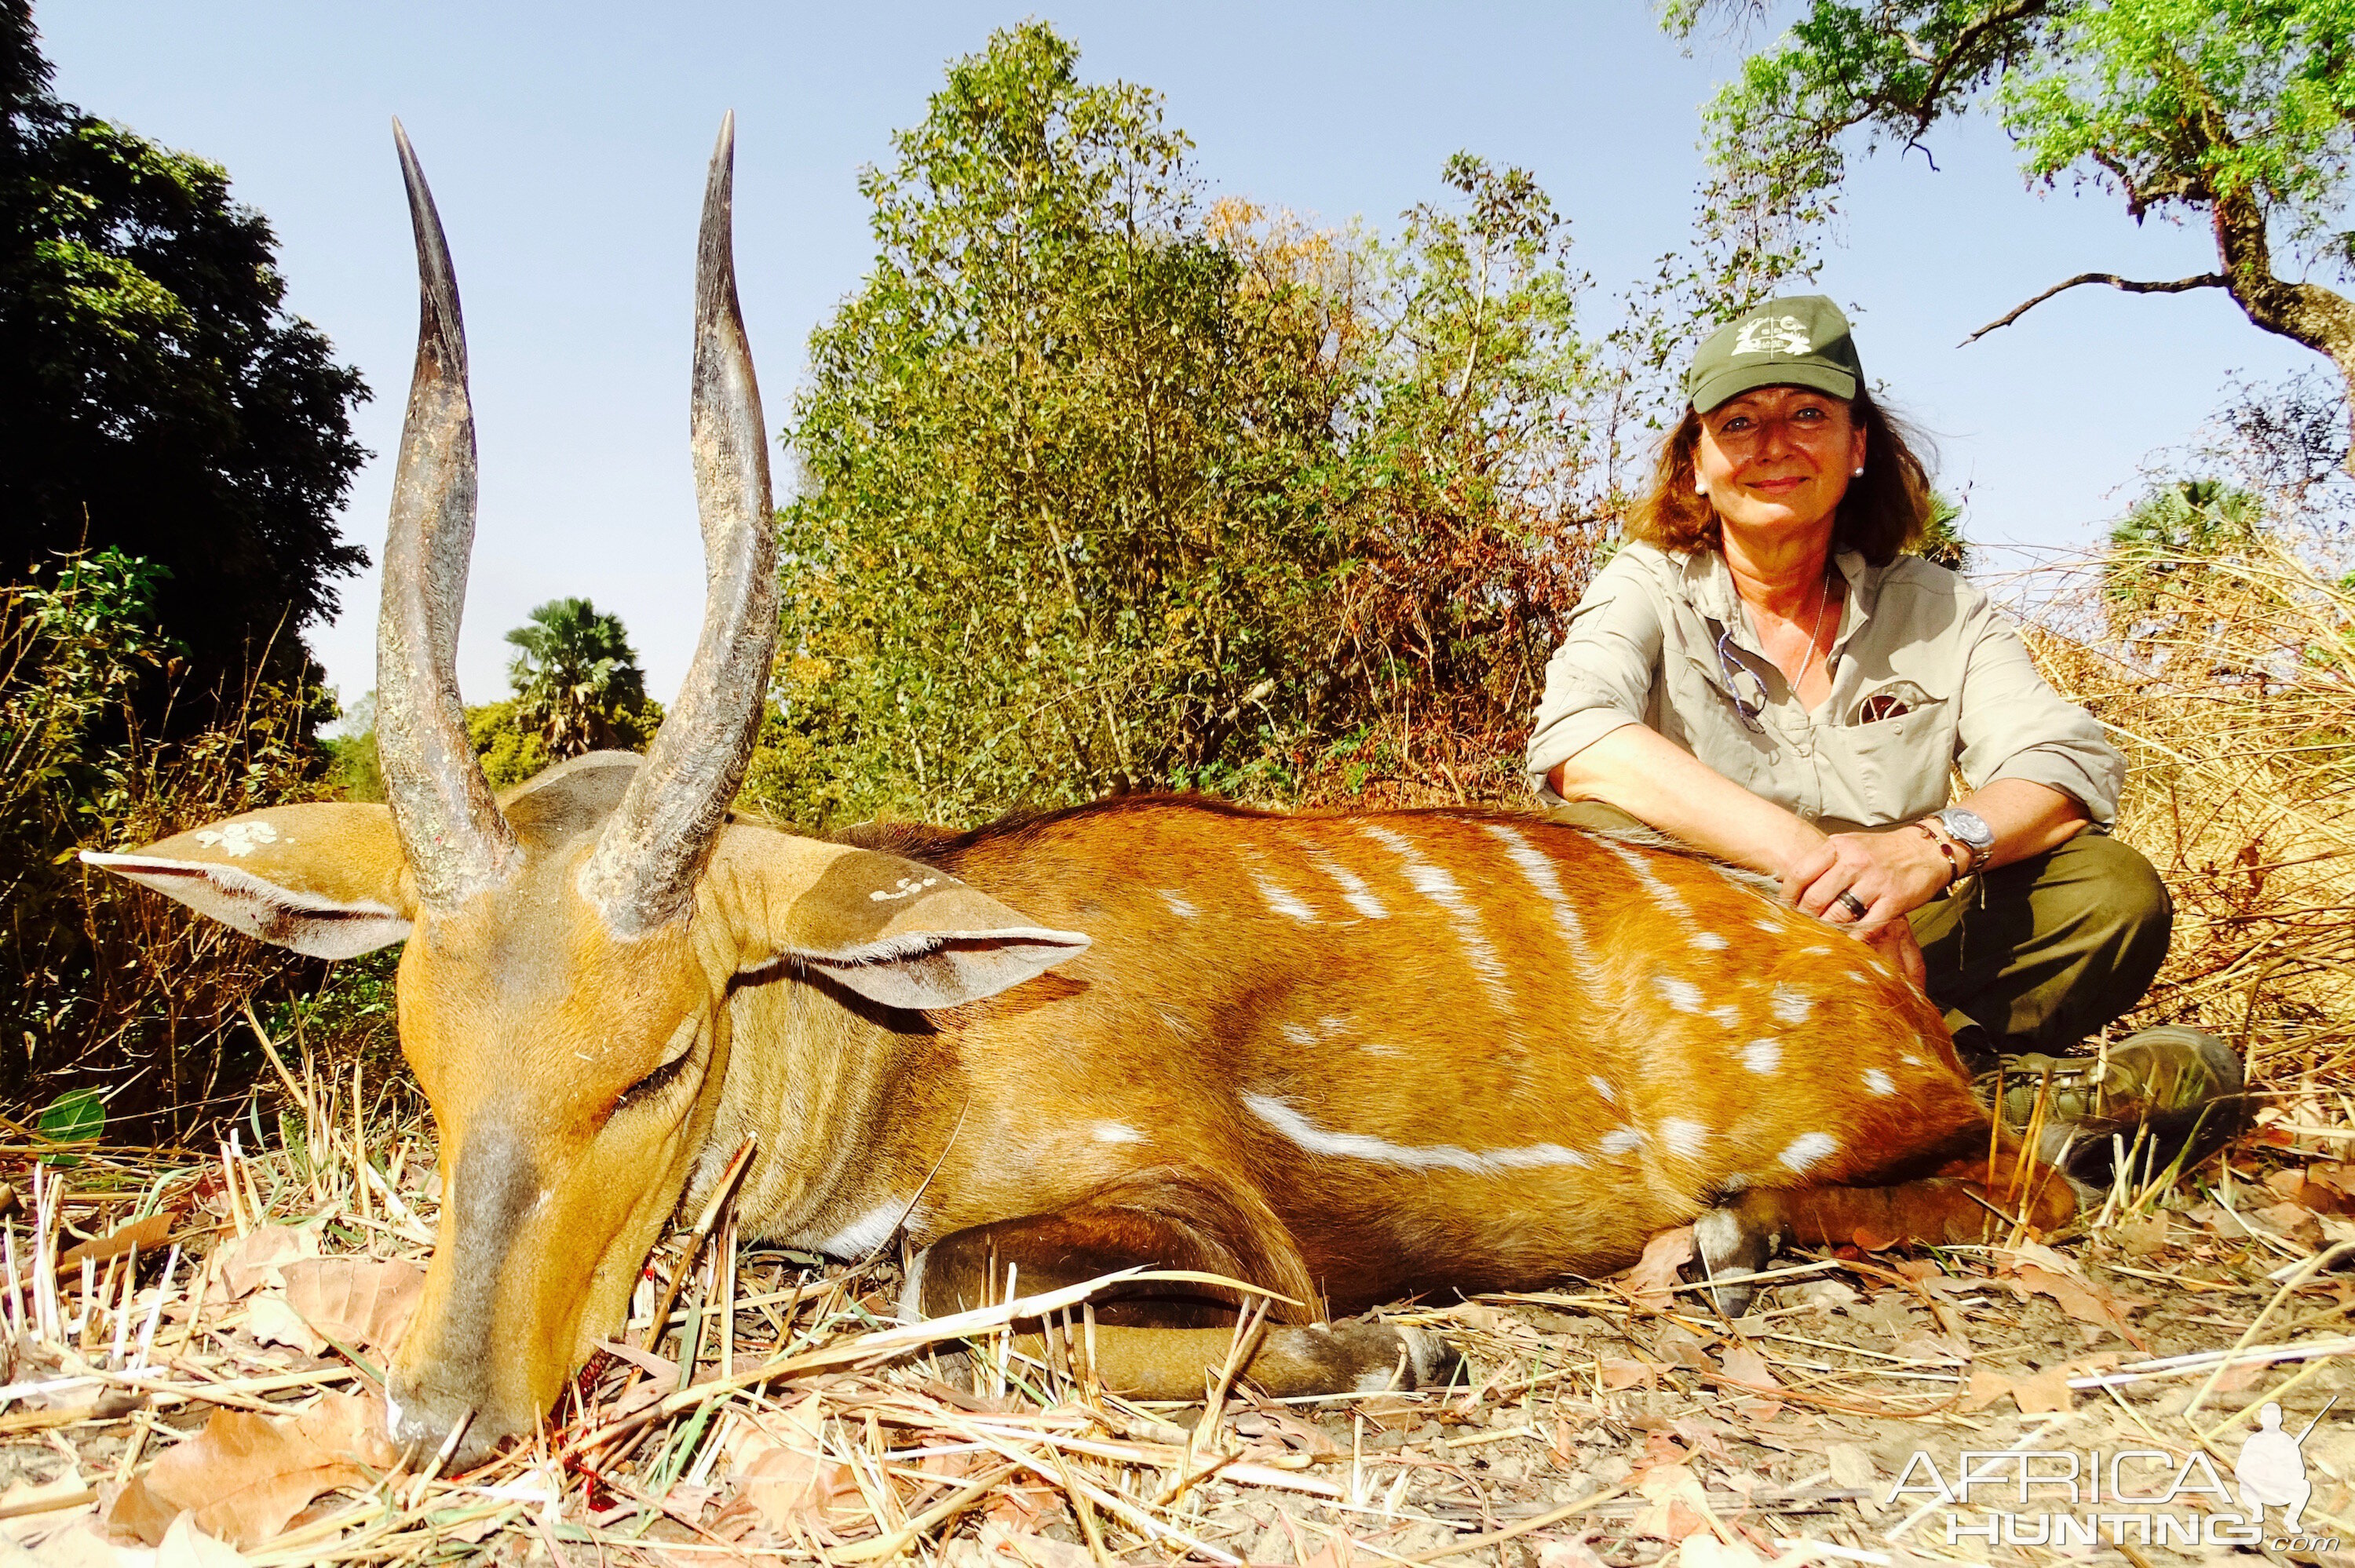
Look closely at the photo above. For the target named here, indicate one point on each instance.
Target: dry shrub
(2227, 678)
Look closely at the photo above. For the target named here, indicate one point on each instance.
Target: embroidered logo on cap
(1773, 335)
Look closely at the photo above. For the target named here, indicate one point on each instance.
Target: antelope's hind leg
(1966, 1200)
(1168, 1340)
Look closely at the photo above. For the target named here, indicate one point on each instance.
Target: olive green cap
(1801, 340)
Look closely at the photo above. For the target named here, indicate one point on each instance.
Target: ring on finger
(1855, 906)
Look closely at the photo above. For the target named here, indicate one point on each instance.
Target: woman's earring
(1856, 473)
(1700, 487)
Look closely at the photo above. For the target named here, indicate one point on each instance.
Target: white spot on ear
(1602, 1086)
(1683, 1136)
(1762, 1055)
(237, 840)
(1680, 994)
(905, 887)
(1709, 941)
(1177, 906)
(1809, 1149)
(1280, 1114)
(1620, 1139)
(1790, 1005)
(1117, 1132)
(1879, 1082)
(1355, 891)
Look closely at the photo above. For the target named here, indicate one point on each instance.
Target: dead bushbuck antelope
(1345, 1058)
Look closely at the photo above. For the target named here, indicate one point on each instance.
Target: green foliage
(511, 746)
(1100, 489)
(577, 680)
(2186, 525)
(157, 399)
(73, 1115)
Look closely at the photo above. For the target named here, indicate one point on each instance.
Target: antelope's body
(1345, 1058)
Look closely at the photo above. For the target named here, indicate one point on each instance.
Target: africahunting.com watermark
(2137, 1497)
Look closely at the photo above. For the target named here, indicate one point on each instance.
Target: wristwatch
(1969, 830)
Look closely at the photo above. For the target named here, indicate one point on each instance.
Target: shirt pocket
(1896, 769)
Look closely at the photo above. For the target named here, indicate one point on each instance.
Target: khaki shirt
(1954, 686)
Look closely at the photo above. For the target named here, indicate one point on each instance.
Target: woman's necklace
(1823, 602)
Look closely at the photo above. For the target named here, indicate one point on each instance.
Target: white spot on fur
(1680, 994)
(1857, 976)
(1662, 893)
(1282, 901)
(904, 887)
(237, 838)
(391, 1412)
(1280, 1114)
(1808, 1149)
(1177, 906)
(1910, 1059)
(1354, 891)
(1544, 874)
(1435, 882)
(1762, 1055)
(1620, 1139)
(1771, 926)
(1879, 1082)
(1811, 952)
(1682, 1136)
(1297, 1033)
(865, 1233)
(1789, 1005)
(1719, 1235)
(1602, 1086)
(1729, 1015)
(1710, 942)
(1117, 1132)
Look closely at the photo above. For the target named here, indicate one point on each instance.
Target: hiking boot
(2182, 1088)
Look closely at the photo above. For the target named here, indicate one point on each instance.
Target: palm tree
(577, 678)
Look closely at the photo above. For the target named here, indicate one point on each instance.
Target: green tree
(2239, 114)
(1050, 537)
(157, 399)
(576, 679)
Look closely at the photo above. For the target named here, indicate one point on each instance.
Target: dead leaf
(1851, 1466)
(1987, 1386)
(1744, 1365)
(1622, 1372)
(244, 1475)
(146, 1234)
(249, 1262)
(81, 1546)
(185, 1546)
(2043, 1393)
(355, 1301)
(271, 1321)
(1678, 1506)
(794, 1481)
(1567, 1554)
(1653, 1281)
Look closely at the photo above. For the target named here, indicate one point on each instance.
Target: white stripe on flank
(1177, 906)
(1279, 1114)
(1434, 882)
(1281, 900)
(1602, 1086)
(1809, 1149)
(1354, 891)
(1544, 874)
(1658, 889)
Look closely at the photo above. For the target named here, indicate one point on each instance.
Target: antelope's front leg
(1166, 1340)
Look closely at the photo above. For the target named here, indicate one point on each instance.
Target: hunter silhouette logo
(2272, 1469)
(1773, 335)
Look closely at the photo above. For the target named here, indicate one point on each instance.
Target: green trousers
(2033, 956)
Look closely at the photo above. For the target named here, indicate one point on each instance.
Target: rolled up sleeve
(1601, 678)
(2013, 725)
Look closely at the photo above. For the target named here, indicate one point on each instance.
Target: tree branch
(2131, 285)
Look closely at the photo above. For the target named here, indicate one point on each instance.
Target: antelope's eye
(675, 1056)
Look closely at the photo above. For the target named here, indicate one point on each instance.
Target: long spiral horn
(450, 830)
(657, 842)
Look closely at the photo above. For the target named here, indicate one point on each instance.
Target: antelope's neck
(852, 1114)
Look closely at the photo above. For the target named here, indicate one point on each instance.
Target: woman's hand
(1891, 874)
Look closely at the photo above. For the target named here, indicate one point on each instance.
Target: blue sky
(566, 145)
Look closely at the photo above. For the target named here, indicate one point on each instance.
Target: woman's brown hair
(1885, 511)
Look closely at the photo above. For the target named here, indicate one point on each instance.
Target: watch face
(1969, 826)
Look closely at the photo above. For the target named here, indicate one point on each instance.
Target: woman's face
(1775, 461)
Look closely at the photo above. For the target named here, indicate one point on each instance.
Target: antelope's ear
(894, 931)
(323, 879)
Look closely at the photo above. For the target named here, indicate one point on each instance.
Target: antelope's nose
(422, 1410)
